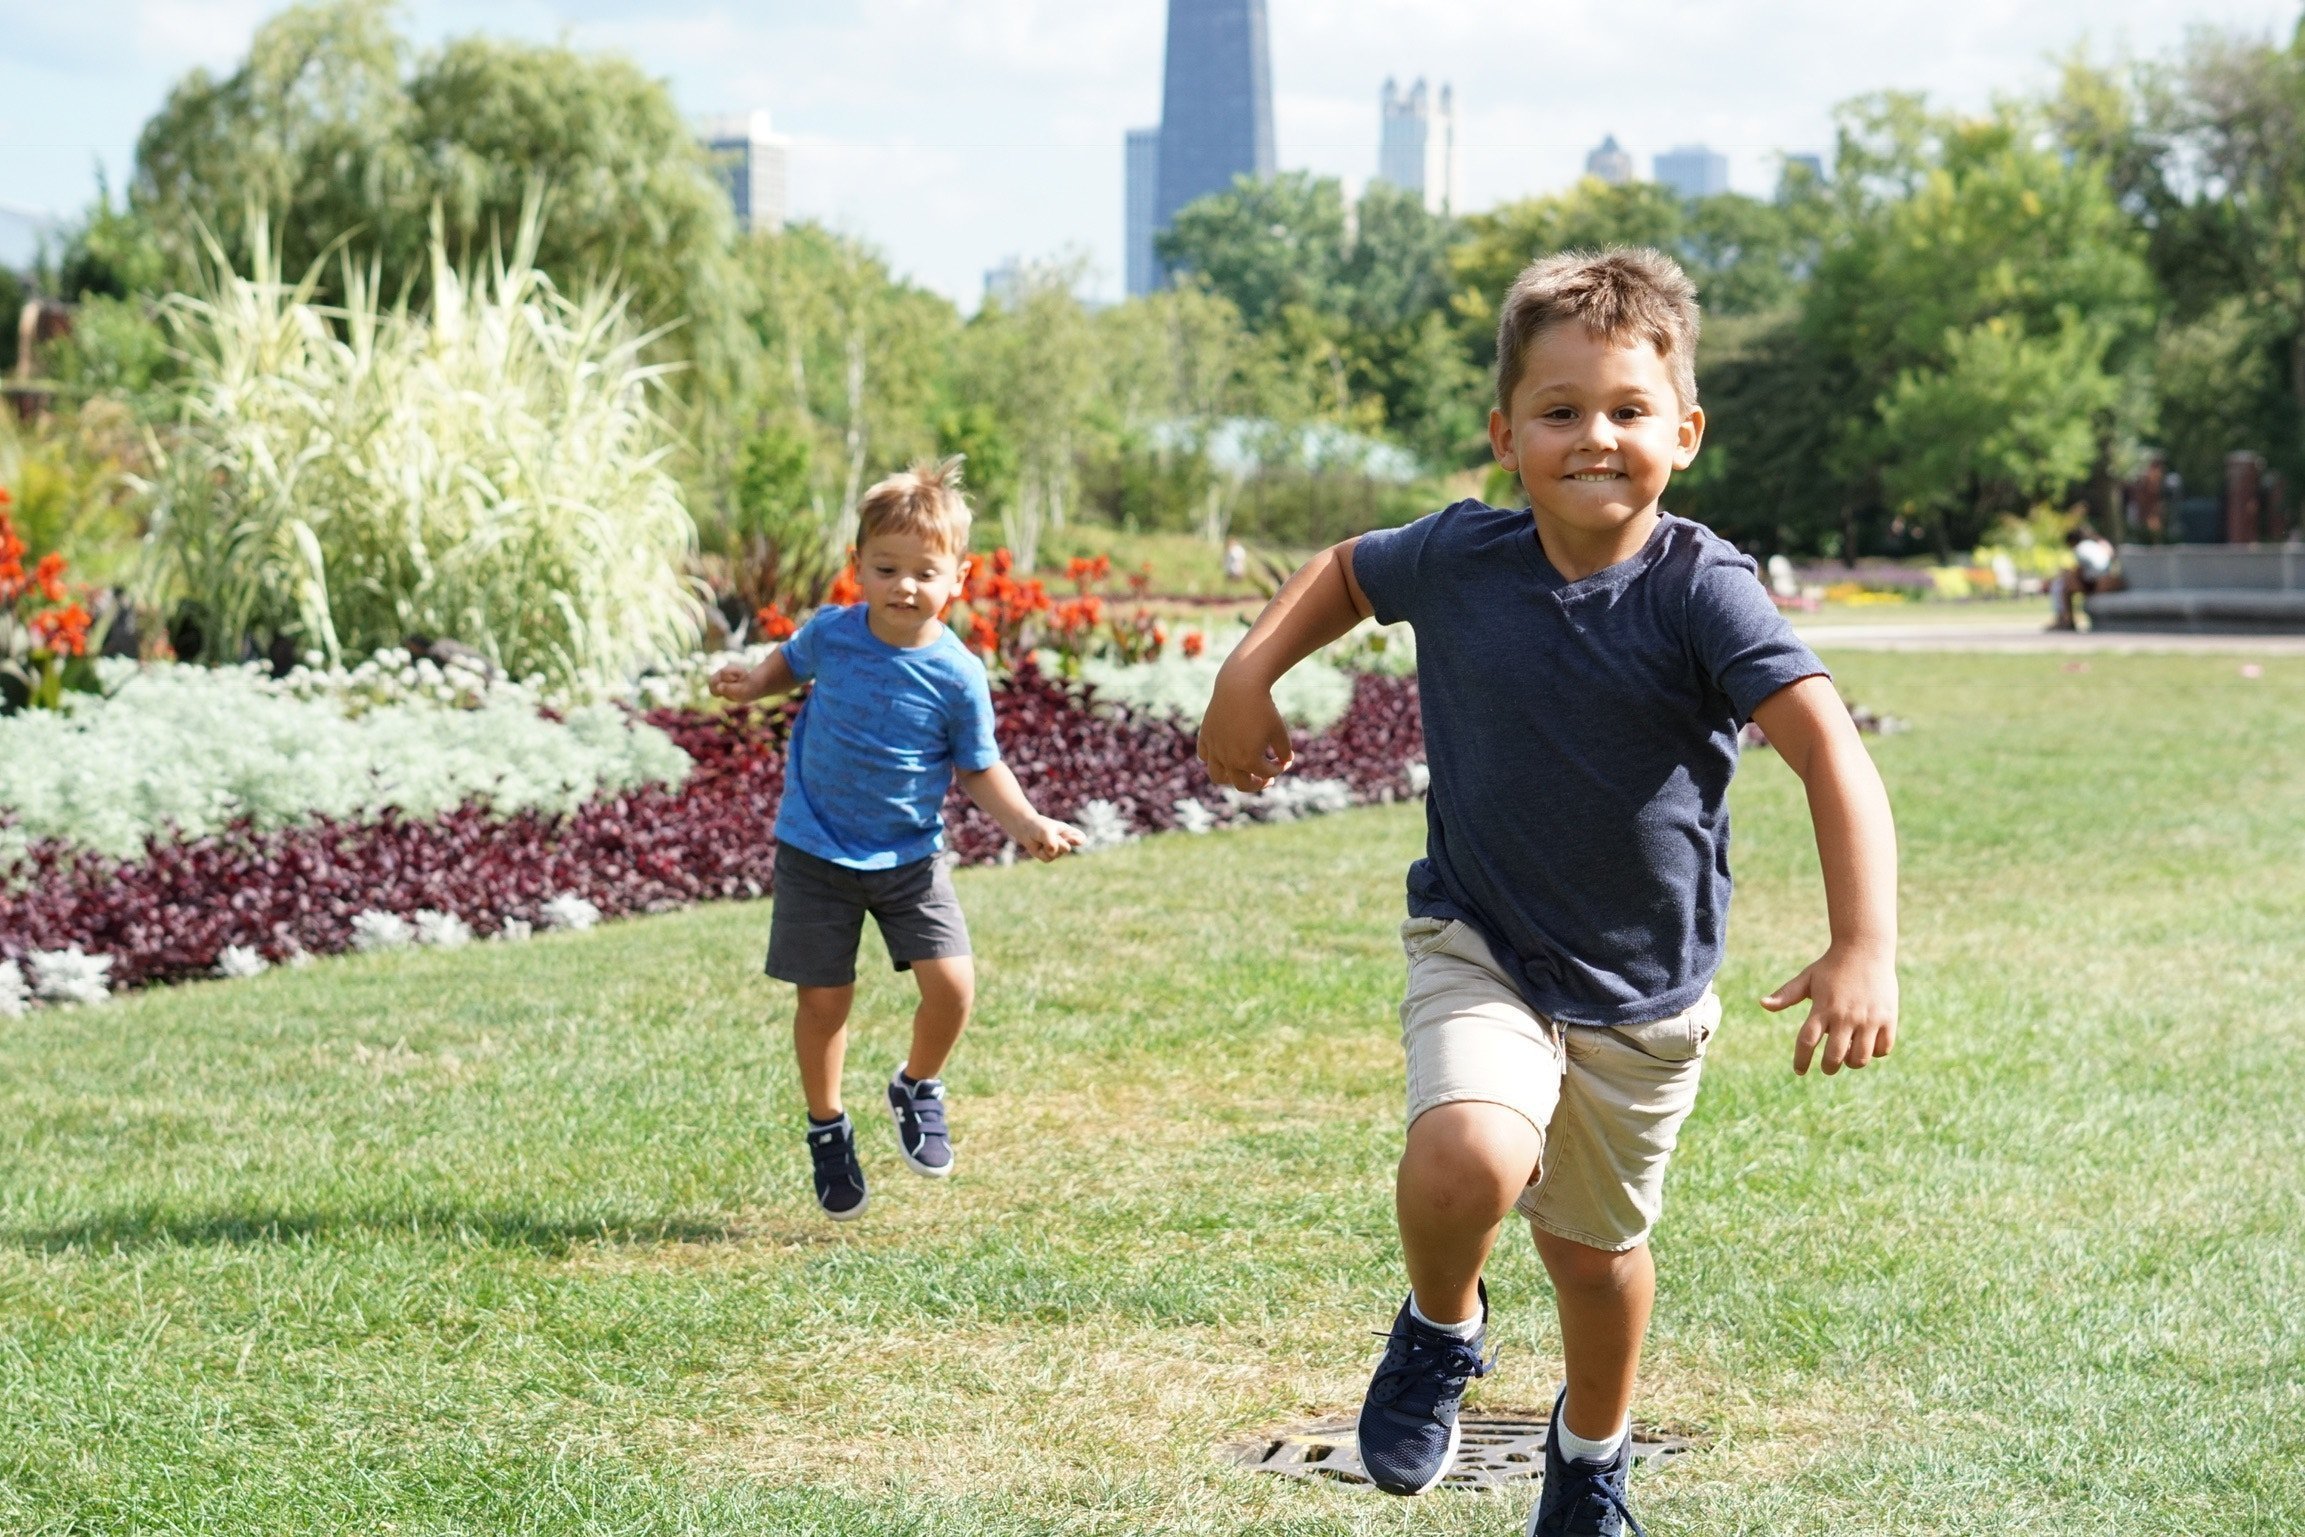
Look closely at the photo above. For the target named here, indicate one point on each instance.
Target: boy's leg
(947, 992)
(1465, 1166)
(1469, 1041)
(820, 1041)
(1604, 1300)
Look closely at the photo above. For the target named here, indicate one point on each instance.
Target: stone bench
(2208, 588)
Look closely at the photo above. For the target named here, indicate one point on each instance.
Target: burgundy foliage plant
(170, 914)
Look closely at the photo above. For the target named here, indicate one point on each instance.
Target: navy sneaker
(920, 1130)
(1408, 1426)
(1583, 1499)
(839, 1177)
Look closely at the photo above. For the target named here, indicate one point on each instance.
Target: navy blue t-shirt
(1581, 737)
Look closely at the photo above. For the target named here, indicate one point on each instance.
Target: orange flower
(983, 635)
(775, 623)
(48, 576)
(1194, 643)
(845, 590)
(1002, 560)
(63, 631)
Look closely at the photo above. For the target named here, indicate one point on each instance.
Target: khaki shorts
(1607, 1103)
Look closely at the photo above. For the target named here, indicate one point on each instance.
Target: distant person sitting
(2091, 572)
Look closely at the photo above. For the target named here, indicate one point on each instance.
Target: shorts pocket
(1682, 1038)
(1421, 937)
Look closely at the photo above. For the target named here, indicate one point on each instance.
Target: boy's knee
(1470, 1155)
(1585, 1268)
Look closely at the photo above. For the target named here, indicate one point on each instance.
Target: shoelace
(1599, 1492)
(1442, 1361)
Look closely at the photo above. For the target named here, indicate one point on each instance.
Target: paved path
(2023, 638)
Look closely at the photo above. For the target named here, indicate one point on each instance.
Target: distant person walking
(2090, 573)
(1236, 561)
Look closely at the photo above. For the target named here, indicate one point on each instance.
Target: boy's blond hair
(1623, 294)
(924, 501)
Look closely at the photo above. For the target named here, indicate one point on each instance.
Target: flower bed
(243, 895)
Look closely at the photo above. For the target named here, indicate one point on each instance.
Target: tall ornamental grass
(492, 470)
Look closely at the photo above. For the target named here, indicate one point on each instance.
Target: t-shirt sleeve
(1388, 563)
(799, 652)
(969, 723)
(1742, 642)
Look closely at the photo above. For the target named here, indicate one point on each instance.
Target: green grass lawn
(520, 1239)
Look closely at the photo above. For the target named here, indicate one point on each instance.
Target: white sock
(1577, 1449)
(1463, 1331)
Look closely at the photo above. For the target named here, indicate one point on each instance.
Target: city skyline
(998, 127)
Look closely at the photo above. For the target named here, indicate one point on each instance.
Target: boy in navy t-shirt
(899, 710)
(1584, 667)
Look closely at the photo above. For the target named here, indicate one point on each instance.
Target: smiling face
(907, 582)
(1594, 432)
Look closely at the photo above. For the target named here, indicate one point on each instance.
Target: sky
(954, 135)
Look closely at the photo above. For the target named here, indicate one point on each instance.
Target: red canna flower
(845, 590)
(1194, 643)
(62, 631)
(775, 623)
(48, 576)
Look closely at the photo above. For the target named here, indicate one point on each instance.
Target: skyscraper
(1693, 171)
(1418, 148)
(1144, 169)
(749, 158)
(1610, 163)
(1216, 104)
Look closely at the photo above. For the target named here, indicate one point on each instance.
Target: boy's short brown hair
(1623, 294)
(925, 501)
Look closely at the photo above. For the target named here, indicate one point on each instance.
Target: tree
(1268, 246)
(852, 358)
(2235, 119)
(338, 135)
(2005, 419)
(1944, 224)
(1035, 360)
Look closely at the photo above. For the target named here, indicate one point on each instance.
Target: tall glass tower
(1216, 102)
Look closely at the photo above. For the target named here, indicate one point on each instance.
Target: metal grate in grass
(1495, 1451)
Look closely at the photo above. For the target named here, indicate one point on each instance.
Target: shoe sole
(1448, 1461)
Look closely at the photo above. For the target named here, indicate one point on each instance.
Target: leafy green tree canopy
(339, 133)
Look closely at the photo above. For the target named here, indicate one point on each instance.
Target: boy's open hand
(1045, 838)
(1852, 1010)
(735, 684)
(1243, 741)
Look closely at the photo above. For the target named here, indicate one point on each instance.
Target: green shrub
(492, 471)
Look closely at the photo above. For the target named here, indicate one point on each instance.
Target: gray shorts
(819, 916)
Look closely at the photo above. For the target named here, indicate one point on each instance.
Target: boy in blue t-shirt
(899, 709)
(1583, 668)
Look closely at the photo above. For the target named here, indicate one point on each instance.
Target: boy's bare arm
(996, 791)
(1243, 740)
(739, 684)
(1852, 987)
